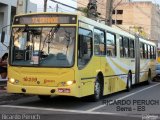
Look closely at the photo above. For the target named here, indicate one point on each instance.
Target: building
(142, 17)
(104, 7)
(7, 12)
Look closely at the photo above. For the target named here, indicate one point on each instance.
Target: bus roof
(102, 26)
(114, 30)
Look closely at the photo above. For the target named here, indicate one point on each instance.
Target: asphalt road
(141, 103)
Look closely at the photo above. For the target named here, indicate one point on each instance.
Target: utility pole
(92, 10)
(109, 8)
(45, 5)
(57, 7)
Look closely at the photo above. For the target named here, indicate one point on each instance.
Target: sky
(52, 6)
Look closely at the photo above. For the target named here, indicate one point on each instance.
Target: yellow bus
(70, 55)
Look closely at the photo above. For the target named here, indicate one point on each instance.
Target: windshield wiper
(51, 34)
(68, 39)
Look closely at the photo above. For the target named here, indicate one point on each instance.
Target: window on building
(111, 44)
(131, 48)
(113, 22)
(99, 42)
(119, 22)
(85, 47)
(113, 12)
(119, 11)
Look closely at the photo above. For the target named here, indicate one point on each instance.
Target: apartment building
(142, 17)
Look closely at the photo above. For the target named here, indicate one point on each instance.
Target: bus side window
(126, 44)
(142, 50)
(121, 46)
(99, 42)
(146, 51)
(84, 47)
(154, 53)
(149, 52)
(131, 48)
(111, 45)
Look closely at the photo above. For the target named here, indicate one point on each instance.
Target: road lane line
(68, 111)
(100, 106)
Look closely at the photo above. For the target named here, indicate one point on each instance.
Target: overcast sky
(52, 6)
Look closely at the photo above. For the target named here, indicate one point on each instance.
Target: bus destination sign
(49, 20)
(45, 19)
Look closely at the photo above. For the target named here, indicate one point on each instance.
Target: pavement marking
(69, 111)
(100, 106)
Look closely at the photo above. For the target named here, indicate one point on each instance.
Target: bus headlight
(12, 80)
(69, 82)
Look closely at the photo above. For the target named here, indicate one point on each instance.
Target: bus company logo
(48, 81)
(30, 79)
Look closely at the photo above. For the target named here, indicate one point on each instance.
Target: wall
(144, 15)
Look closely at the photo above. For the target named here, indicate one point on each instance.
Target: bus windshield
(43, 46)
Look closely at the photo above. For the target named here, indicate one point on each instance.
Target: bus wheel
(44, 97)
(97, 91)
(129, 82)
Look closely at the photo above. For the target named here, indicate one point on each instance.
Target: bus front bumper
(42, 90)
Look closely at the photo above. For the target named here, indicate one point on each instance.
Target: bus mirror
(2, 36)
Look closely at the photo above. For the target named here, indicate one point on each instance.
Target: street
(134, 105)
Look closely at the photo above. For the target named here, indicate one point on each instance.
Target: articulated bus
(70, 55)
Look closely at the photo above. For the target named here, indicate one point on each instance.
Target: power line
(64, 9)
(45, 5)
(99, 17)
(64, 5)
